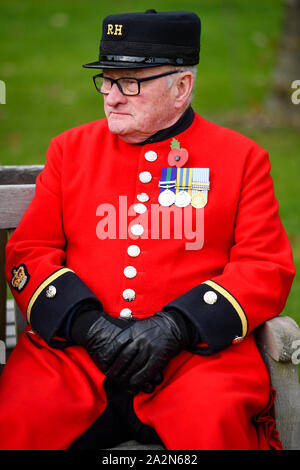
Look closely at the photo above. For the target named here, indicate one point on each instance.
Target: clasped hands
(133, 352)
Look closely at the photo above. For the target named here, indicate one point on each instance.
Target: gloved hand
(96, 331)
(145, 348)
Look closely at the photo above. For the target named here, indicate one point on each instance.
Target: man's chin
(117, 126)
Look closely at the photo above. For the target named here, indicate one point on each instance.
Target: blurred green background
(44, 43)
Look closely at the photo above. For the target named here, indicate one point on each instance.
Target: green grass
(43, 45)
(283, 146)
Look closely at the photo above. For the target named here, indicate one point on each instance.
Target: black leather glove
(145, 348)
(97, 332)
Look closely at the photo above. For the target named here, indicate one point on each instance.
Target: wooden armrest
(280, 339)
(279, 342)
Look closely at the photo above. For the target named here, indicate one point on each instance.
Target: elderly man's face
(135, 118)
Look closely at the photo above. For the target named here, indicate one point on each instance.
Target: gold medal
(199, 200)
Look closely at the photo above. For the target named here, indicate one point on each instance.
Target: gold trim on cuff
(233, 302)
(42, 286)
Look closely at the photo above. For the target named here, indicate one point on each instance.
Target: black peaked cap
(136, 40)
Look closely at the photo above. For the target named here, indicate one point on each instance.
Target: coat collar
(181, 125)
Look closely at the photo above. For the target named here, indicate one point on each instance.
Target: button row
(137, 229)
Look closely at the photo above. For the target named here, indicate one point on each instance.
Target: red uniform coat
(74, 239)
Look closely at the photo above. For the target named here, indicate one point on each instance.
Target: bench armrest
(279, 342)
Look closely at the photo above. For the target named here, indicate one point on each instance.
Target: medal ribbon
(200, 180)
(168, 179)
(184, 179)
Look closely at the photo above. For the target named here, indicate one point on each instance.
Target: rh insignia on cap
(20, 277)
(114, 29)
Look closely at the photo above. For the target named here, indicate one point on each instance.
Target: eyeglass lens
(129, 86)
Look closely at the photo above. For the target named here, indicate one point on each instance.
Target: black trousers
(118, 423)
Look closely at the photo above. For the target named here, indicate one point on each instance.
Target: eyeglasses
(128, 86)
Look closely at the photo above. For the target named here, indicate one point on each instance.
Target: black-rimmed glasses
(128, 86)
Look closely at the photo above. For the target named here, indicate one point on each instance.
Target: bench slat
(19, 174)
(14, 200)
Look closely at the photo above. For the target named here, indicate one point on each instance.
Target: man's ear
(183, 87)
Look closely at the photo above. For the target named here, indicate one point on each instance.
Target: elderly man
(138, 328)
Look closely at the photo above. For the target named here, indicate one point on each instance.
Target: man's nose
(115, 96)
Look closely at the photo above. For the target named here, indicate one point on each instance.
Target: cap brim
(118, 65)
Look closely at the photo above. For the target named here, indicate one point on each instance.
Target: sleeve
(44, 288)
(256, 281)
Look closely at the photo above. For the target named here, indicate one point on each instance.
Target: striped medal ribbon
(167, 185)
(200, 187)
(183, 187)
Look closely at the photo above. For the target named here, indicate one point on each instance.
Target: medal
(183, 187)
(167, 186)
(183, 199)
(166, 198)
(200, 187)
(199, 200)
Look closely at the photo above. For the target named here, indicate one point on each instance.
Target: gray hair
(186, 68)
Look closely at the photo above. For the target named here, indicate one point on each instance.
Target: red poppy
(177, 156)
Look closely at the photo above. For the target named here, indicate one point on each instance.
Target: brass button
(140, 208)
(51, 292)
(145, 177)
(143, 197)
(126, 313)
(128, 295)
(210, 297)
(151, 156)
(133, 251)
(130, 272)
(137, 229)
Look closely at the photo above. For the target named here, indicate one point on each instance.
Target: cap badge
(114, 29)
(177, 156)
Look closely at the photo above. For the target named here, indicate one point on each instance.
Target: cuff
(54, 299)
(218, 317)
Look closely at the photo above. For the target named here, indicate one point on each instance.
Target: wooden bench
(278, 339)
